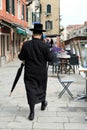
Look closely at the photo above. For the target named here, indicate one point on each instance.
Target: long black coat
(35, 53)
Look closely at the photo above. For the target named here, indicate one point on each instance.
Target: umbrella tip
(10, 94)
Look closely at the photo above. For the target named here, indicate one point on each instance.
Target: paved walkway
(61, 114)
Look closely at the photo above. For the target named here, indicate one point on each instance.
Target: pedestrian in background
(36, 54)
(51, 43)
(21, 44)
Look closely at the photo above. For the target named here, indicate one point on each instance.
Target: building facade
(50, 16)
(46, 12)
(33, 12)
(17, 16)
(13, 26)
(76, 41)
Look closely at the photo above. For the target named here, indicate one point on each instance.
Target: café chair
(55, 63)
(65, 84)
(63, 66)
(73, 62)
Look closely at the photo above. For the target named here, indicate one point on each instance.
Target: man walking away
(36, 54)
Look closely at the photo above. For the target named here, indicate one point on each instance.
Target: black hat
(38, 27)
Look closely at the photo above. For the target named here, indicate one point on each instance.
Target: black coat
(35, 53)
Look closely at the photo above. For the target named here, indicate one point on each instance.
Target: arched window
(48, 8)
(48, 25)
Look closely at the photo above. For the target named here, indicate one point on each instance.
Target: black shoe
(31, 116)
(44, 105)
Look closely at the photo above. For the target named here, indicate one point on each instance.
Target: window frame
(13, 7)
(0, 4)
(49, 9)
(2, 45)
(8, 6)
(48, 25)
(23, 14)
(8, 43)
(26, 14)
(40, 8)
(19, 8)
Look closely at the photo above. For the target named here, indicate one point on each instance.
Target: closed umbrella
(17, 77)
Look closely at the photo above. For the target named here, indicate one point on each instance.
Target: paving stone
(53, 119)
(70, 114)
(75, 126)
(7, 119)
(62, 113)
(19, 125)
(3, 125)
(27, 129)
(56, 126)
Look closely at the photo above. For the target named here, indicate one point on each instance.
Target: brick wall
(13, 18)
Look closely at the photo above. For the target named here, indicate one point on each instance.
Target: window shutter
(40, 8)
(48, 8)
(27, 14)
(51, 25)
(23, 12)
(1, 4)
(13, 7)
(46, 25)
(8, 6)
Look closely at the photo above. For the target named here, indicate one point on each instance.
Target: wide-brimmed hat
(38, 27)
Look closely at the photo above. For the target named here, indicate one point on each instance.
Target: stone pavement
(61, 114)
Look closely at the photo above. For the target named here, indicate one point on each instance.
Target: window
(19, 9)
(79, 31)
(48, 8)
(74, 33)
(40, 8)
(2, 45)
(22, 17)
(48, 25)
(13, 7)
(8, 43)
(27, 14)
(8, 6)
(33, 17)
(0, 4)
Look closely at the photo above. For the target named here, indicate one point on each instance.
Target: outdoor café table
(64, 59)
(83, 69)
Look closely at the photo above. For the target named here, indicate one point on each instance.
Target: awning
(5, 23)
(21, 31)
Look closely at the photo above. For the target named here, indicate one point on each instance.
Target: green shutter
(23, 12)
(48, 8)
(51, 24)
(8, 6)
(26, 14)
(13, 7)
(40, 8)
(46, 25)
(32, 16)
